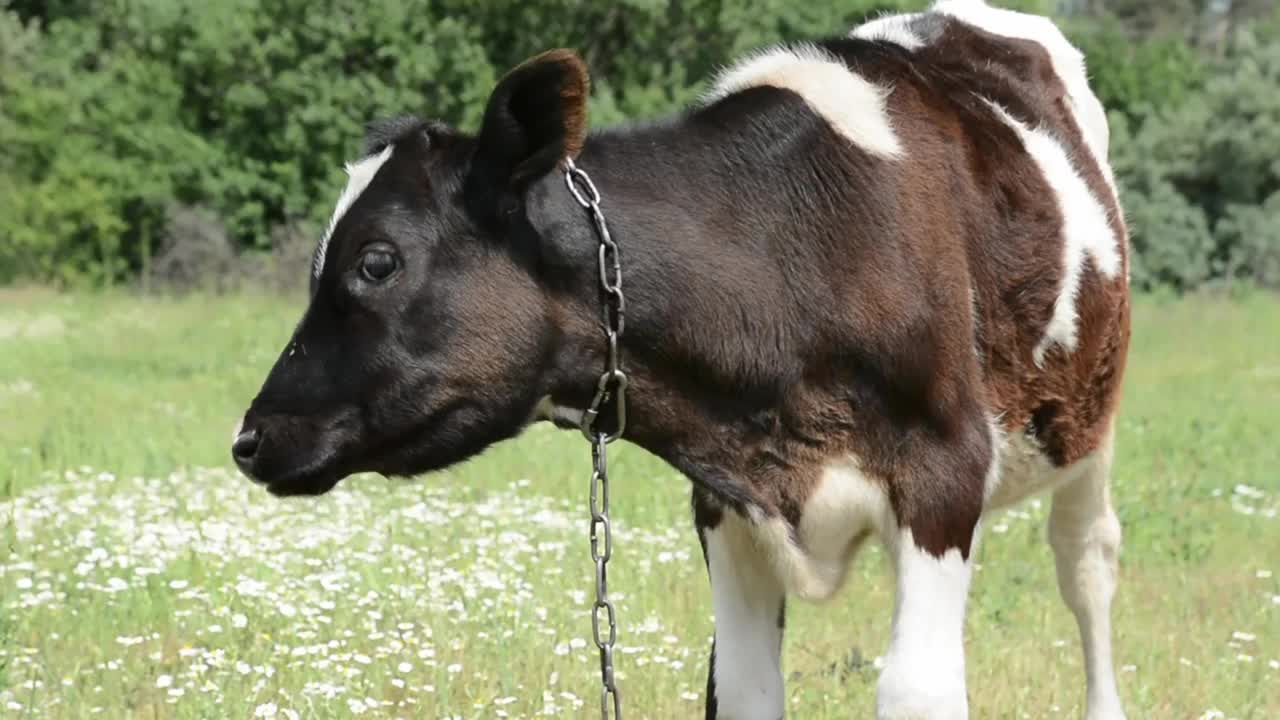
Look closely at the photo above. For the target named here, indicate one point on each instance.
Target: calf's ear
(536, 117)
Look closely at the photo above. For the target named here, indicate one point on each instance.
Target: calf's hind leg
(1085, 535)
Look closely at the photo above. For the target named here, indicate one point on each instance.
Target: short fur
(831, 342)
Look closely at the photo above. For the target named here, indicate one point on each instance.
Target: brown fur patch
(1067, 404)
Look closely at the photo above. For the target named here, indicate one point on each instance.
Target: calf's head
(428, 331)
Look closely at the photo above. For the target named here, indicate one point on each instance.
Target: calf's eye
(378, 265)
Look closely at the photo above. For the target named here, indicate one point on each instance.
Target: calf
(877, 286)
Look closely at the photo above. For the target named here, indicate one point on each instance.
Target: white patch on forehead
(893, 28)
(853, 106)
(359, 175)
(1086, 230)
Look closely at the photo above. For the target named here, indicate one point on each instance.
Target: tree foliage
(122, 119)
(1200, 178)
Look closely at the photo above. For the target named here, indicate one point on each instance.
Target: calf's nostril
(246, 443)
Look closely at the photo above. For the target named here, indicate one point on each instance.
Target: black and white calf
(877, 287)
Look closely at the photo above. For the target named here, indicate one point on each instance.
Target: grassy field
(141, 578)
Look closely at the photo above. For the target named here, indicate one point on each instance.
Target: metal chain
(611, 385)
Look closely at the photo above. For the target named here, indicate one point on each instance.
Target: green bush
(1251, 234)
(1199, 179)
(94, 145)
(1135, 78)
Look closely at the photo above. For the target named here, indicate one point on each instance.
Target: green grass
(139, 577)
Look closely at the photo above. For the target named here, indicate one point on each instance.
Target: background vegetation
(163, 138)
(196, 142)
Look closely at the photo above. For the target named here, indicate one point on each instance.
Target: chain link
(611, 385)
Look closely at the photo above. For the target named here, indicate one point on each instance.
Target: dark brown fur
(793, 301)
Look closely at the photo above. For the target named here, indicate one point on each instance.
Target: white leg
(923, 676)
(746, 673)
(1085, 535)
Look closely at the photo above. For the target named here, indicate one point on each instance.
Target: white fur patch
(747, 601)
(853, 107)
(999, 445)
(1068, 63)
(923, 674)
(359, 175)
(811, 563)
(548, 410)
(1025, 471)
(1086, 230)
(893, 28)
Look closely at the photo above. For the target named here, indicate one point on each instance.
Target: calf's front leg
(745, 678)
(924, 670)
(931, 542)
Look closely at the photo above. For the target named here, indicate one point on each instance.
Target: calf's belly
(811, 559)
